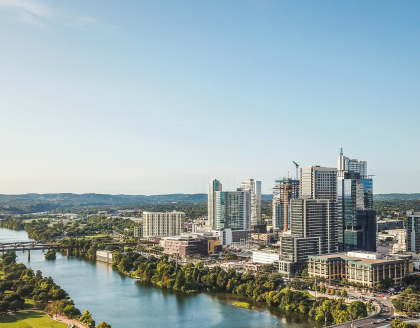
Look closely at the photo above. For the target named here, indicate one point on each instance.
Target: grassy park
(29, 319)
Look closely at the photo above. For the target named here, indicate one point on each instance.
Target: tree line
(21, 287)
(263, 288)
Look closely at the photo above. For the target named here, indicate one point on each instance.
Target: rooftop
(358, 257)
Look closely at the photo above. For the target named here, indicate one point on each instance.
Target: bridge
(34, 245)
(28, 246)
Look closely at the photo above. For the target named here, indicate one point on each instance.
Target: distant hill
(30, 203)
(397, 196)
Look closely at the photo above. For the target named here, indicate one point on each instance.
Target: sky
(160, 96)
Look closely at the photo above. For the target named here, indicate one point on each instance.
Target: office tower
(214, 186)
(254, 189)
(351, 165)
(355, 202)
(413, 231)
(315, 218)
(163, 224)
(283, 192)
(232, 210)
(314, 225)
(318, 182)
(313, 231)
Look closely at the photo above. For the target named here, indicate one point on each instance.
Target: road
(378, 320)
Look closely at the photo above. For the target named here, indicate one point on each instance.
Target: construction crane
(297, 170)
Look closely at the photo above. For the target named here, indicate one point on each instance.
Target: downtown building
(254, 189)
(163, 224)
(283, 192)
(413, 232)
(355, 205)
(232, 214)
(315, 226)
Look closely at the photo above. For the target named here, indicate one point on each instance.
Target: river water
(124, 303)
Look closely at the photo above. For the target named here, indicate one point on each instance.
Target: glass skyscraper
(355, 205)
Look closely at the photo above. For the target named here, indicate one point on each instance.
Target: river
(124, 303)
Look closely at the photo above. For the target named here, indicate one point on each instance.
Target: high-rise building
(283, 192)
(355, 203)
(314, 225)
(214, 186)
(254, 189)
(315, 218)
(351, 165)
(413, 231)
(232, 210)
(163, 224)
(318, 182)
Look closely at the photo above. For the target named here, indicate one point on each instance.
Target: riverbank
(22, 289)
(260, 288)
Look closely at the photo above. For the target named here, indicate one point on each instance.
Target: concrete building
(413, 231)
(104, 256)
(367, 269)
(318, 182)
(283, 192)
(314, 225)
(138, 231)
(191, 244)
(265, 257)
(163, 224)
(254, 189)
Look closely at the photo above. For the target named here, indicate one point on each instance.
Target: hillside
(30, 203)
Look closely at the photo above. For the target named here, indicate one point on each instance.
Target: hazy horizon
(157, 97)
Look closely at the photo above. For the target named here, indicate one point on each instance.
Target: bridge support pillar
(29, 255)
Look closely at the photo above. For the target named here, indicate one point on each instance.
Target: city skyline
(156, 97)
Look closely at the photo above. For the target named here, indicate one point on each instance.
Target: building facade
(283, 192)
(163, 224)
(318, 182)
(254, 189)
(366, 269)
(214, 186)
(314, 227)
(232, 210)
(265, 257)
(413, 232)
(355, 205)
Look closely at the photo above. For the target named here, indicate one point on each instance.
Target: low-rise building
(367, 269)
(389, 224)
(265, 257)
(104, 256)
(187, 245)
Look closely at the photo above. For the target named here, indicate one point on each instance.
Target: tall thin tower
(214, 185)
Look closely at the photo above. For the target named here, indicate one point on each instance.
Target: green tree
(103, 325)
(87, 319)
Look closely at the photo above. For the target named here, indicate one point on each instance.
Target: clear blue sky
(147, 97)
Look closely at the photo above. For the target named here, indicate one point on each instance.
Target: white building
(163, 224)
(254, 189)
(265, 257)
(351, 165)
(318, 182)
